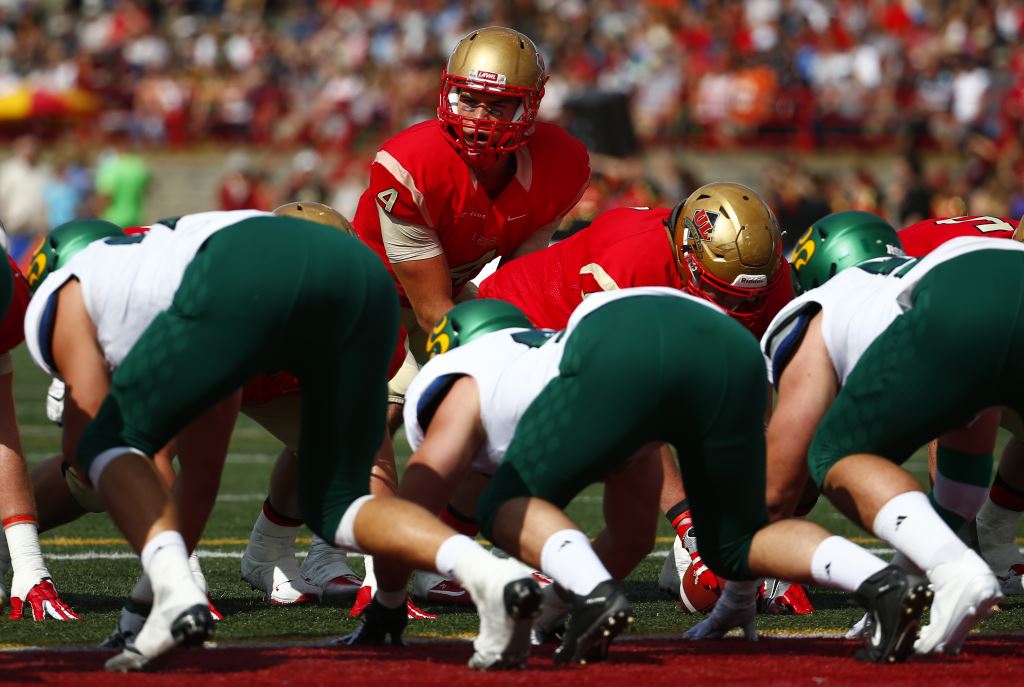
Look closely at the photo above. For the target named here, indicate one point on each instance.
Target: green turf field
(94, 570)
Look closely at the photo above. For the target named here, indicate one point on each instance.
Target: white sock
(911, 525)
(450, 551)
(165, 560)
(569, 560)
(23, 543)
(841, 564)
(274, 535)
(959, 497)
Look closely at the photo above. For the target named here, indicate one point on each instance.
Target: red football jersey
(12, 329)
(418, 178)
(622, 248)
(922, 238)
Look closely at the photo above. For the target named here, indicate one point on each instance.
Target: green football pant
(957, 351)
(642, 370)
(268, 293)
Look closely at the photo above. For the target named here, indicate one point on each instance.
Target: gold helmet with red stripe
(495, 61)
(728, 247)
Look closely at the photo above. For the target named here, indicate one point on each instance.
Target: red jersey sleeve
(775, 301)
(922, 238)
(12, 329)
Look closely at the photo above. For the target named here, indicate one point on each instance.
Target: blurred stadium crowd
(634, 80)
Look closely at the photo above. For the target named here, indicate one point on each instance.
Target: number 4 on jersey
(387, 199)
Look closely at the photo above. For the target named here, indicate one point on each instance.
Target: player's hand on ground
(735, 608)
(41, 600)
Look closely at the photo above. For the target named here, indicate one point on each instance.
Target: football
(695, 597)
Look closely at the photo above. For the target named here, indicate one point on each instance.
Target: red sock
(459, 522)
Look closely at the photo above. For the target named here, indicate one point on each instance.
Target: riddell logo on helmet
(490, 77)
(750, 280)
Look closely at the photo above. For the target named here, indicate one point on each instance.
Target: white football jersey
(857, 305)
(511, 367)
(125, 283)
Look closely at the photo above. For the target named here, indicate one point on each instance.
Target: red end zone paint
(642, 662)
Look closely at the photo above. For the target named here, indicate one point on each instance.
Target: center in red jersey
(622, 248)
(418, 179)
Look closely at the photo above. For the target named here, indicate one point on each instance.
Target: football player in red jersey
(484, 180)
(722, 243)
(961, 460)
(33, 594)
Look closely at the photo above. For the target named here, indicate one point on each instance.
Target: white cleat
(281, 580)
(433, 588)
(327, 567)
(269, 566)
(965, 592)
(507, 598)
(674, 569)
(1012, 581)
(182, 619)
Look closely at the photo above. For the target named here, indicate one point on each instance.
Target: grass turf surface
(94, 569)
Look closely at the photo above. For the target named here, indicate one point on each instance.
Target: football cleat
(895, 601)
(736, 607)
(996, 528)
(549, 626)
(129, 622)
(180, 617)
(434, 588)
(190, 628)
(39, 601)
(379, 625)
(777, 597)
(280, 579)
(1011, 581)
(965, 592)
(327, 567)
(596, 620)
(365, 596)
(507, 599)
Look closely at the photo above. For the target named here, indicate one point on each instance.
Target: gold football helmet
(316, 212)
(1018, 233)
(495, 61)
(728, 247)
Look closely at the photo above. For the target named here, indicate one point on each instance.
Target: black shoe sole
(900, 645)
(193, 627)
(523, 598)
(592, 644)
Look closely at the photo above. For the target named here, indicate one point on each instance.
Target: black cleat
(379, 625)
(193, 627)
(895, 601)
(595, 621)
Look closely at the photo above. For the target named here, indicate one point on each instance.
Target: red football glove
(689, 536)
(42, 600)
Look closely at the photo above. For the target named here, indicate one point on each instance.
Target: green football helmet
(471, 320)
(838, 241)
(63, 243)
